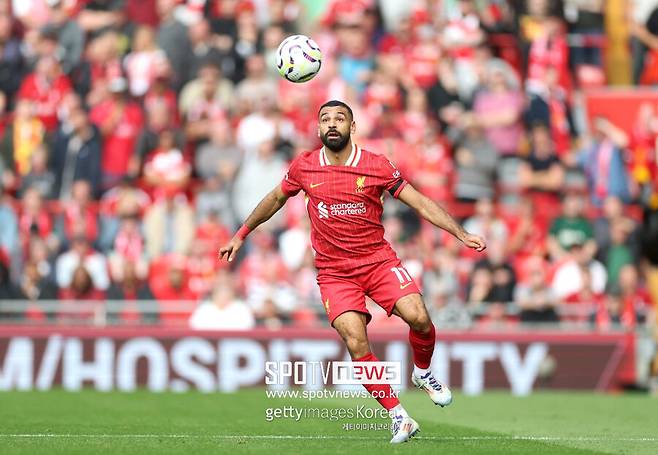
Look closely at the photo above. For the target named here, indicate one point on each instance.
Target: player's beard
(335, 144)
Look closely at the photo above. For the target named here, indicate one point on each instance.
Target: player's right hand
(228, 251)
(474, 241)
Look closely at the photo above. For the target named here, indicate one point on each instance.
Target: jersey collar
(352, 160)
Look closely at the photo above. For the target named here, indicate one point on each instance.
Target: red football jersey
(344, 204)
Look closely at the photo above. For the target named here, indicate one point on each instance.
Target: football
(298, 58)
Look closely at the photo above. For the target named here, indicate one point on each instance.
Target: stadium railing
(103, 313)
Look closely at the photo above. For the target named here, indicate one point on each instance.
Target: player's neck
(340, 157)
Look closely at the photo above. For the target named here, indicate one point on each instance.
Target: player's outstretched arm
(265, 209)
(436, 215)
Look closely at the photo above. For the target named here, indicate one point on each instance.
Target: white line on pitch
(321, 437)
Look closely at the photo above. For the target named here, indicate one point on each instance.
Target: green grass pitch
(59, 422)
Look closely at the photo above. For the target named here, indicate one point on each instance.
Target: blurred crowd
(137, 135)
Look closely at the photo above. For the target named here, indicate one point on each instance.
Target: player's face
(336, 127)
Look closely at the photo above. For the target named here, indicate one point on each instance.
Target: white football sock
(418, 372)
(398, 411)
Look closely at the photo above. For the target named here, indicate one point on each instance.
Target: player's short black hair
(337, 103)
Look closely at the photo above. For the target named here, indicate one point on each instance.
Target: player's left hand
(473, 241)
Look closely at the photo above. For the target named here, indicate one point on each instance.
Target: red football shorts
(384, 282)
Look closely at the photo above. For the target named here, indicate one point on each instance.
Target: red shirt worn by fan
(344, 203)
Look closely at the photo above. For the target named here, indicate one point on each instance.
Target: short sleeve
(291, 185)
(393, 180)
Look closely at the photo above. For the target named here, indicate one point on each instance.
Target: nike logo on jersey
(315, 185)
(403, 286)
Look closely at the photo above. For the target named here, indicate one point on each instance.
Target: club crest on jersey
(360, 184)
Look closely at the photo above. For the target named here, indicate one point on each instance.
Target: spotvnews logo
(336, 373)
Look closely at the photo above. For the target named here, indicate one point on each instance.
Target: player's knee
(420, 321)
(357, 346)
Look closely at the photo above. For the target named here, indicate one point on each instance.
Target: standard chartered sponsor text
(348, 208)
(328, 393)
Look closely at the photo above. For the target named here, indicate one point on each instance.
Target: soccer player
(344, 188)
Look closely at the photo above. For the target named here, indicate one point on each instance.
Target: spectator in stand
(79, 215)
(499, 108)
(161, 97)
(205, 49)
(128, 246)
(203, 100)
(548, 51)
(220, 156)
(214, 199)
(168, 226)
(35, 221)
(34, 287)
(9, 238)
(166, 169)
(479, 294)
(485, 222)
(210, 232)
(534, 297)
(603, 163)
(476, 161)
(169, 282)
(271, 287)
(46, 87)
(541, 172)
(172, 38)
(549, 105)
(634, 295)
(273, 35)
(259, 171)
(269, 316)
(9, 292)
(441, 287)
(618, 254)
(578, 277)
(528, 231)
(81, 288)
(572, 228)
(77, 155)
(12, 65)
(145, 62)
(99, 15)
(611, 314)
(461, 35)
(224, 311)
(585, 19)
(645, 34)
(202, 266)
(262, 256)
(82, 255)
(133, 301)
(638, 12)
(502, 274)
(256, 87)
(21, 138)
(125, 199)
(355, 58)
(39, 254)
(158, 120)
(70, 37)
(248, 40)
(120, 122)
(39, 176)
(101, 66)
